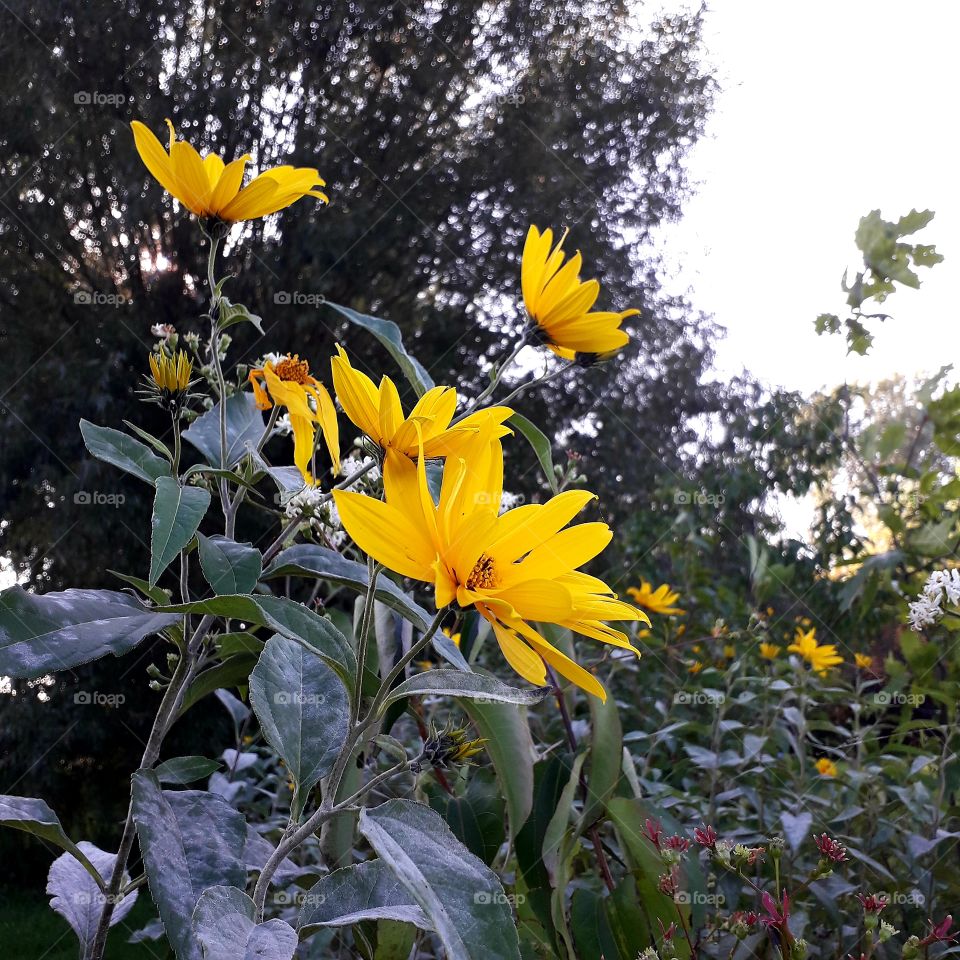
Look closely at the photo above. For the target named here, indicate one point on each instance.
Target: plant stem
(498, 373)
(373, 571)
(293, 836)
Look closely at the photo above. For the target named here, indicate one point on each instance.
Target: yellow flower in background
(289, 384)
(209, 187)
(863, 661)
(661, 600)
(770, 651)
(515, 567)
(826, 767)
(729, 651)
(695, 667)
(454, 637)
(559, 302)
(820, 656)
(378, 413)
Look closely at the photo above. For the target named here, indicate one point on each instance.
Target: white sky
(828, 109)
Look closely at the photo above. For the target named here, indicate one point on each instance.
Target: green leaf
(477, 816)
(225, 925)
(286, 617)
(121, 450)
(827, 323)
(150, 439)
(309, 560)
(35, 817)
(77, 895)
(234, 671)
(190, 840)
(362, 891)
(540, 443)
(58, 631)
(156, 594)
(510, 748)
(460, 894)
(244, 429)
(606, 757)
(177, 512)
(232, 313)
(229, 567)
(303, 709)
(181, 770)
(472, 686)
(388, 333)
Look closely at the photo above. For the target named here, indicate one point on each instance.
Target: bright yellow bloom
(171, 374)
(695, 667)
(863, 661)
(661, 600)
(378, 413)
(210, 188)
(826, 767)
(820, 656)
(559, 302)
(770, 651)
(514, 567)
(290, 385)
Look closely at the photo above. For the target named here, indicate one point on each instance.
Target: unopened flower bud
(911, 949)
(799, 950)
(775, 847)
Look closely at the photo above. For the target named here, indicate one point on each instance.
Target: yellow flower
(512, 567)
(820, 656)
(729, 651)
(210, 188)
(454, 637)
(770, 651)
(559, 302)
(826, 767)
(290, 385)
(378, 413)
(661, 600)
(169, 382)
(171, 374)
(695, 667)
(863, 661)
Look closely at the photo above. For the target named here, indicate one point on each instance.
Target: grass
(30, 930)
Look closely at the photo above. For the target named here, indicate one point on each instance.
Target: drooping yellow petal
(385, 533)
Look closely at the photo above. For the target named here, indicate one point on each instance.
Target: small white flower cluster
(927, 609)
(350, 464)
(318, 514)
(510, 500)
(283, 427)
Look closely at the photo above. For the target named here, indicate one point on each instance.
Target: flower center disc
(484, 575)
(293, 369)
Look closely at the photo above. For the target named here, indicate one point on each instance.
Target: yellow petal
(228, 184)
(155, 159)
(523, 529)
(386, 534)
(357, 395)
(565, 551)
(327, 416)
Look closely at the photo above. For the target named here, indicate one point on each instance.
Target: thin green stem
(373, 572)
(498, 373)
